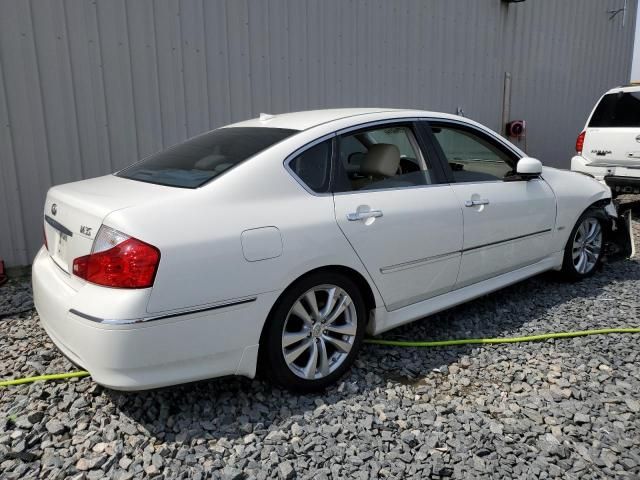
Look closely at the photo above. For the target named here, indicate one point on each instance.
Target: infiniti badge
(638, 139)
(54, 209)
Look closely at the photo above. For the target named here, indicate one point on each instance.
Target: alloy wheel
(319, 332)
(587, 245)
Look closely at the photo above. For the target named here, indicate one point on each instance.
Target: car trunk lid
(74, 212)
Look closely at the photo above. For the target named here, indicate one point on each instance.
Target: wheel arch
(362, 283)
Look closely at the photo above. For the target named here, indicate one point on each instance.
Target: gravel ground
(556, 409)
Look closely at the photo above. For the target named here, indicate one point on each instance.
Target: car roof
(312, 118)
(633, 87)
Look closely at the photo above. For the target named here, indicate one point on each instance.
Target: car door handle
(474, 203)
(355, 216)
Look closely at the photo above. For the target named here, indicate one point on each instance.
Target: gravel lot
(557, 409)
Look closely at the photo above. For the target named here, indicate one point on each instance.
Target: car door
(508, 221)
(402, 220)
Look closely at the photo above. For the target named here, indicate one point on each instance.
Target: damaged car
(277, 243)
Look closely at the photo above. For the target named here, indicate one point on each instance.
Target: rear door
(613, 133)
(508, 222)
(403, 222)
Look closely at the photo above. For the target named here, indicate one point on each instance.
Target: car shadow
(228, 408)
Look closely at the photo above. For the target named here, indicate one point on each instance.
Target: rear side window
(313, 167)
(620, 109)
(378, 158)
(196, 161)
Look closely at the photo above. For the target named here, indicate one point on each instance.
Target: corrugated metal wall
(87, 87)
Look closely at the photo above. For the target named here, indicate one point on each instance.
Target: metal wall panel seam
(17, 233)
(157, 58)
(73, 90)
(40, 93)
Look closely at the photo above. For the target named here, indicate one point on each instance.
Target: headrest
(382, 159)
(209, 162)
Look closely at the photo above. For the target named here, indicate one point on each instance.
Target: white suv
(609, 146)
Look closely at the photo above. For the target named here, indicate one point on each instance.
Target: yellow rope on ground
(529, 338)
(53, 376)
(393, 343)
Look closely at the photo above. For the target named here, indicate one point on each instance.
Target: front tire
(585, 248)
(314, 332)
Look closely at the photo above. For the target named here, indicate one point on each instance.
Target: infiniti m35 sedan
(279, 242)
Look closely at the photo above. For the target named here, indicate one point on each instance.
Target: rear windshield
(620, 109)
(196, 161)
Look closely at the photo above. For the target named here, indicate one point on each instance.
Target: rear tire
(585, 247)
(314, 332)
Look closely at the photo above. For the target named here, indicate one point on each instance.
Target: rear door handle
(355, 216)
(475, 203)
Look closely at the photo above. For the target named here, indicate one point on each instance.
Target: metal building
(87, 87)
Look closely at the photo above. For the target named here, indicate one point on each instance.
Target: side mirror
(529, 167)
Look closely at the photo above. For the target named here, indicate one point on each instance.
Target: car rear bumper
(149, 354)
(581, 164)
(623, 185)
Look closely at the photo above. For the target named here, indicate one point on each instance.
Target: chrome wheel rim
(587, 245)
(319, 332)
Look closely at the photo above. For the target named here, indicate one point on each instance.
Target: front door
(403, 223)
(508, 222)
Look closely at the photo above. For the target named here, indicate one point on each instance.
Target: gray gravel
(556, 409)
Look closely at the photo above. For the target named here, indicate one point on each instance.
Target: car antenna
(266, 116)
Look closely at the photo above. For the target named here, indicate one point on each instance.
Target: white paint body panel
(247, 235)
(524, 211)
(412, 252)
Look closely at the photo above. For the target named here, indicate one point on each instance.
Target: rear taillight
(580, 143)
(118, 260)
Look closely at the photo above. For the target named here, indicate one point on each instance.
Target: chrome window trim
(392, 189)
(488, 133)
(178, 313)
(414, 143)
(374, 123)
(289, 158)
(497, 138)
(416, 147)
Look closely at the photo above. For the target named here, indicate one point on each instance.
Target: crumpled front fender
(619, 241)
(622, 234)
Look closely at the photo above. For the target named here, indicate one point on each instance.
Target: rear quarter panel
(200, 235)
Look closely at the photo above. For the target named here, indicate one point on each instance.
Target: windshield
(621, 109)
(196, 161)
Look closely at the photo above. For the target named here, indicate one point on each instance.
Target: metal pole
(506, 102)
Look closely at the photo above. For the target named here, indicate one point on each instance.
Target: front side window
(620, 109)
(196, 161)
(381, 157)
(313, 167)
(472, 157)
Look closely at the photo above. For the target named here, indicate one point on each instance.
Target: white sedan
(279, 241)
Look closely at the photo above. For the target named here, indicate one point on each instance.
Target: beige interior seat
(381, 162)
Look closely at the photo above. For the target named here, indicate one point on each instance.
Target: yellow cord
(394, 343)
(530, 338)
(54, 376)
